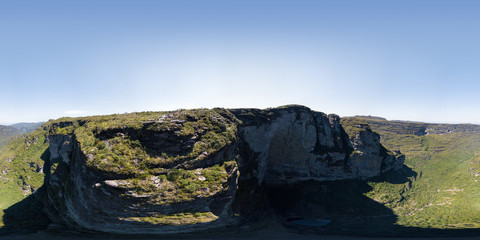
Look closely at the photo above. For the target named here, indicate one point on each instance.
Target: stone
(300, 144)
(111, 183)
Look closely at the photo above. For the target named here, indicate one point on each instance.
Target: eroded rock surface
(298, 144)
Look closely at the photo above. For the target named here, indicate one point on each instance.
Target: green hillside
(444, 192)
(21, 165)
(26, 127)
(6, 132)
(21, 169)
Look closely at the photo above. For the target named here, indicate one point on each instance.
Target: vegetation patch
(444, 192)
(138, 143)
(6, 133)
(186, 218)
(21, 168)
(178, 185)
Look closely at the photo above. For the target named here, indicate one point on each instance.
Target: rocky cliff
(294, 144)
(190, 170)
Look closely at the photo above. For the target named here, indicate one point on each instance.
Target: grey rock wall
(298, 144)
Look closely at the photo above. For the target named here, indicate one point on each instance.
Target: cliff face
(297, 144)
(184, 171)
(84, 199)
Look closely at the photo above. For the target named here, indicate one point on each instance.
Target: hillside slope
(22, 173)
(444, 192)
(6, 132)
(25, 127)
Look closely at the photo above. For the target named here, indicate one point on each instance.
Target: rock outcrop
(297, 144)
(189, 170)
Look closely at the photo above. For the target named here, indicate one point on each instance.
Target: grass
(177, 218)
(178, 185)
(208, 130)
(21, 168)
(354, 126)
(445, 193)
(6, 133)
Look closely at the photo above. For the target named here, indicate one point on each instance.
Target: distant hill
(26, 127)
(6, 132)
(370, 117)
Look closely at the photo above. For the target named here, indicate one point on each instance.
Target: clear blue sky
(409, 60)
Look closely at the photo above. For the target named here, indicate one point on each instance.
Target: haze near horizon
(406, 60)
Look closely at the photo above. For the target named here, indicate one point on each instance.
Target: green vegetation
(21, 168)
(444, 193)
(354, 126)
(178, 185)
(6, 133)
(177, 218)
(27, 127)
(125, 143)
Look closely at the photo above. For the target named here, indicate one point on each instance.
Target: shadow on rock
(343, 203)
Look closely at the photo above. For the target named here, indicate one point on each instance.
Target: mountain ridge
(26, 127)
